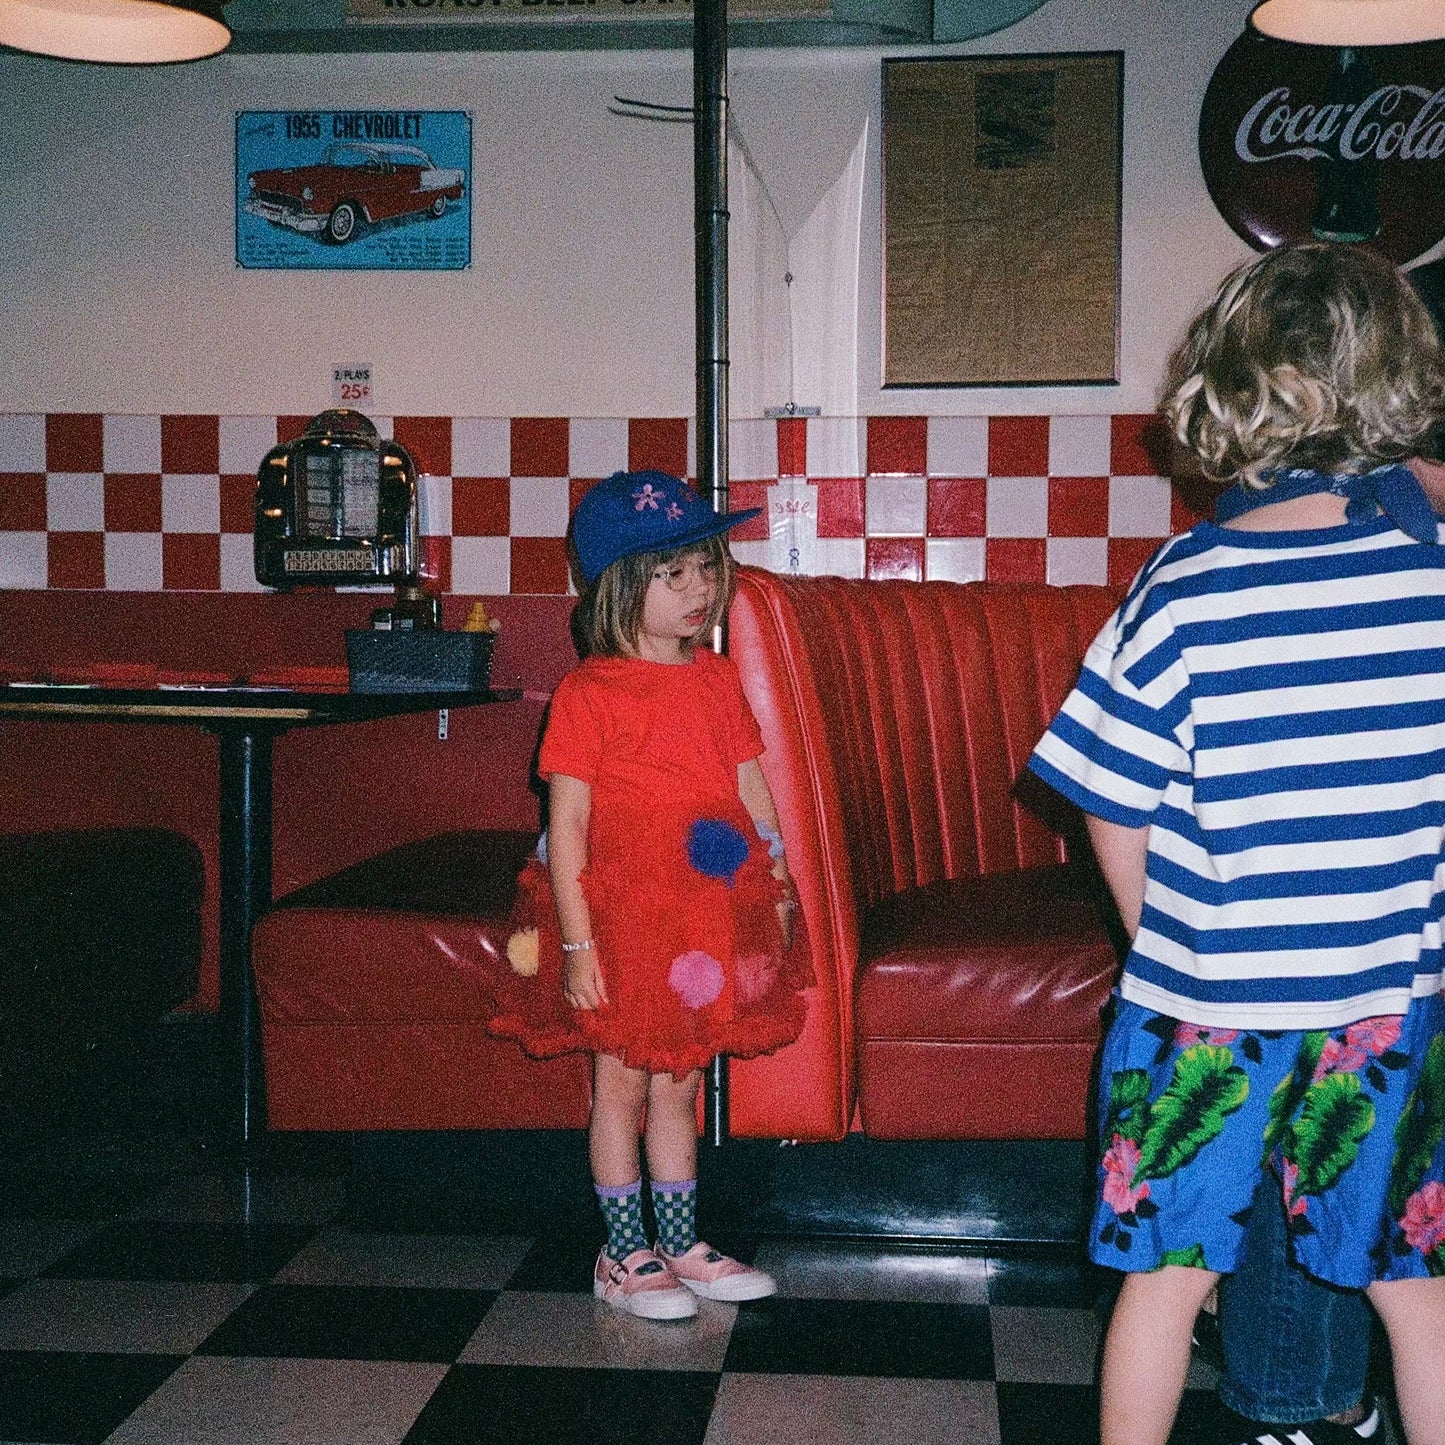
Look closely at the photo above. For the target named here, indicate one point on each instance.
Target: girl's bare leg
(1146, 1353)
(1413, 1311)
(672, 1127)
(619, 1095)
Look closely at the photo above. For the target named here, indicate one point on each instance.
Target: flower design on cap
(646, 496)
(673, 512)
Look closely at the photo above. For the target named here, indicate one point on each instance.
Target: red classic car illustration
(351, 185)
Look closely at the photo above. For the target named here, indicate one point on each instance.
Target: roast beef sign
(1301, 141)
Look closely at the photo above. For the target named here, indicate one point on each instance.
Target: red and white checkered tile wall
(130, 503)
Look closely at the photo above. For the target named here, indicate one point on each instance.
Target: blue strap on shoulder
(1394, 490)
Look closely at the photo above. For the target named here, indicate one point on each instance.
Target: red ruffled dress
(678, 884)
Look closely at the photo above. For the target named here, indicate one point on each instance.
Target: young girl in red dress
(660, 905)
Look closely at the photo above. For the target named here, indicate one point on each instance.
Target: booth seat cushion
(978, 1005)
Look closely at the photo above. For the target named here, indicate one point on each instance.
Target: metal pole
(710, 254)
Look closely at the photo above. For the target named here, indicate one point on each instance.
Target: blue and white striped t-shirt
(1272, 706)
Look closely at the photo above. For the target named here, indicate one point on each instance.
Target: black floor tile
(560, 1263)
(858, 1337)
(6, 1285)
(513, 1405)
(74, 1399)
(1058, 1414)
(133, 1249)
(350, 1323)
(1060, 1279)
(27, 1194)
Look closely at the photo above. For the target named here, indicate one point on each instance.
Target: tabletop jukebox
(336, 506)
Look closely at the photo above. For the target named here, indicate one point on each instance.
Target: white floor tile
(416, 1261)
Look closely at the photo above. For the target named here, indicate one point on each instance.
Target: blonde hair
(1315, 355)
(609, 615)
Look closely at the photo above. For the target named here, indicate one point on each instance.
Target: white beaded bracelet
(576, 947)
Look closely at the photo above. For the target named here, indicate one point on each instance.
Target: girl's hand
(787, 909)
(582, 984)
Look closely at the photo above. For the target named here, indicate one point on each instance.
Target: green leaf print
(1206, 1087)
(1128, 1104)
(1435, 1261)
(1191, 1258)
(1417, 1135)
(1290, 1093)
(1326, 1136)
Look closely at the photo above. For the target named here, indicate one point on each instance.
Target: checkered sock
(675, 1208)
(622, 1211)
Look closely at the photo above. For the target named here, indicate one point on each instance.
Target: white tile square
(481, 566)
(384, 425)
(837, 446)
(839, 557)
(1077, 559)
(223, 1401)
(1017, 507)
(131, 443)
(24, 559)
(238, 563)
(1041, 1346)
(597, 446)
(75, 502)
(753, 554)
(539, 506)
(407, 1261)
(1079, 446)
(481, 446)
(953, 559)
(434, 496)
(245, 440)
(133, 562)
(190, 504)
(958, 446)
(753, 450)
(1139, 507)
(896, 506)
(22, 443)
(115, 1317)
(691, 447)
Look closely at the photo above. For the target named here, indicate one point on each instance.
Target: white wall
(119, 291)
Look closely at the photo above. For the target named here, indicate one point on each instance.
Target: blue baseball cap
(633, 512)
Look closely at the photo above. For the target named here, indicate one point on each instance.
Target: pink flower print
(1424, 1219)
(1290, 1180)
(1187, 1035)
(1121, 1159)
(672, 512)
(646, 496)
(1338, 1058)
(696, 978)
(1374, 1036)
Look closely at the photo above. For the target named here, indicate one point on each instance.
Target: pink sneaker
(718, 1276)
(641, 1285)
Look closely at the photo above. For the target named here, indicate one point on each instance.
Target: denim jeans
(1294, 1349)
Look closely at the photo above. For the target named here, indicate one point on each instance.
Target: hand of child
(787, 910)
(582, 984)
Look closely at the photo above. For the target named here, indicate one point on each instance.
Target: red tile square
(429, 440)
(578, 488)
(22, 501)
(481, 506)
(840, 506)
(893, 558)
(792, 446)
(741, 496)
(190, 445)
(1139, 445)
(191, 562)
(540, 446)
(657, 443)
(1078, 506)
(957, 506)
(238, 503)
(1016, 559)
(1018, 446)
(76, 559)
(897, 446)
(539, 565)
(132, 502)
(288, 428)
(73, 442)
(436, 564)
(1127, 555)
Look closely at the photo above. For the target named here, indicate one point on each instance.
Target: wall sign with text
(354, 190)
(1308, 141)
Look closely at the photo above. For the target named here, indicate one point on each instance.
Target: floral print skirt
(1349, 1121)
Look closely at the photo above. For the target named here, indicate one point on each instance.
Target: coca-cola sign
(1301, 141)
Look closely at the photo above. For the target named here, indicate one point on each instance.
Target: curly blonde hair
(1315, 355)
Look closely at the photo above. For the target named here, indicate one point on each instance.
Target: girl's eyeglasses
(679, 576)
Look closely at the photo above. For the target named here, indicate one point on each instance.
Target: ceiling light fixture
(1351, 22)
(116, 32)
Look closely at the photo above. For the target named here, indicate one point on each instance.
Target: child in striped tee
(1258, 742)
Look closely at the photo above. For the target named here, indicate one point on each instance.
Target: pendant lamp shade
(115, 32)
(1351, 22)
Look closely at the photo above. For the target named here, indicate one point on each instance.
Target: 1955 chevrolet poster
(357, 190)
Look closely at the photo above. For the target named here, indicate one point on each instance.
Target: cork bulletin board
(1001, 220)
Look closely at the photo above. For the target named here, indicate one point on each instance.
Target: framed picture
(347, 190)
(1001, 220)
